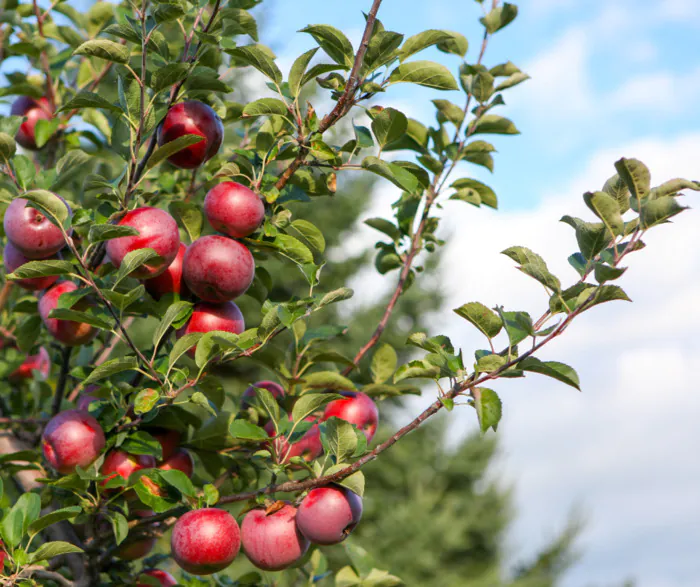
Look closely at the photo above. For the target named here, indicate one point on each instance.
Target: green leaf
(168, 149)
(104, 232)
(211, 494)
(49, 550)
(499, 17)
(355, 483)
(659, 211)
(33, 269)
(486, 320)
(327, 380)
(132, 261)
(8, 147)
(381, 50)
(424, 73)
(474, 192)
(76, 316)
(120, 527)
(256, 57)
(269, 403)
(145, 401)
(266, 107)
(339, 439)
(182, 345)
(142, 443)
(419, 369)
(617, 188)
(605, 273)
(176, 312)
(44, 130)
(169, 75)
(337, 295)
(492, 124)
(388, 126)
(384, 363)
(87, 99)
(592, 237)
(310, 403)
(296, 73)
(511, 81)
(15, 523)
(50, 205)
(67, 513)
(533, 265)
(553, 369)
(422, 41)
(104, 49)
(488, 408)
(168, 11)
(179, 480)
(518, 325)
(489, 363)
(605, 207)
(112, 367)
(449, 111)
(333, 42)
(457, 44)
(293, 249)
(395, 174)
(246, 430)
(384, 226)
(189, 216)
(636, 177)
(311, 234)
(28, 332)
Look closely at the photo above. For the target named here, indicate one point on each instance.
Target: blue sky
(610, 79)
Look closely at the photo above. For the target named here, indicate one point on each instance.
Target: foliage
(107, 79)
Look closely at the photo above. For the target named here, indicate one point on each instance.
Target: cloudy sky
(610, 79)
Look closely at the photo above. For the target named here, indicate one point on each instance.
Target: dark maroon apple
(356, 408)
(34, 110)
(205, 541)
(169, 441)
(31, 232)
(14, 259)
(308, 447)
(181, 460)
(207, 317)
(234, 209)
(249, 394)
(157, 230)
(135, 548)
(40, 362)
(218, 269)
(85, 398)
(66, 331)
(122, 464)
(327, 515)
(272, 541)
(170, 281)
(164, 578)
(71, 439)
(192, 118)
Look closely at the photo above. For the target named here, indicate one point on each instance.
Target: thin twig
(62, 380)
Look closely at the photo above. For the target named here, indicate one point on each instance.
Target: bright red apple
(71, 439)
(234, 209)
(66, 331)
(218, 269)
(205, 541)
(122, 464)
(272, 541)
(34, 110)
(157, 230)
(249, 394)
(170, 281)
(309, 446)
(181, 460)
(40, 362)
(327, 515)
(356, 408)
(164, 578)
(32, 233)
(207, 317)
(192, 118)
(14, 259)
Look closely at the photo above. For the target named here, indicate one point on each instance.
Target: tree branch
(62, 380)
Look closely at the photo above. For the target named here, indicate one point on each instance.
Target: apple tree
(140, 197)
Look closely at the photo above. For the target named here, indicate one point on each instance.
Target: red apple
(249, 394)
(272, 541)
(135, 548)
(205, 541)
(2, 555)
(164, 578)
(309, 446)
(66, 331)
(157, 230)
(218, 269)
(40, 362)
(328, 515)
(192, 118)
(207, 317)
(234, 209)
(14, 259)
(34, 111)
(181, 461)
(122, 464)
(170, 281)
(71, 439)
(169, 440)
(356, 408)
(31, 232)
